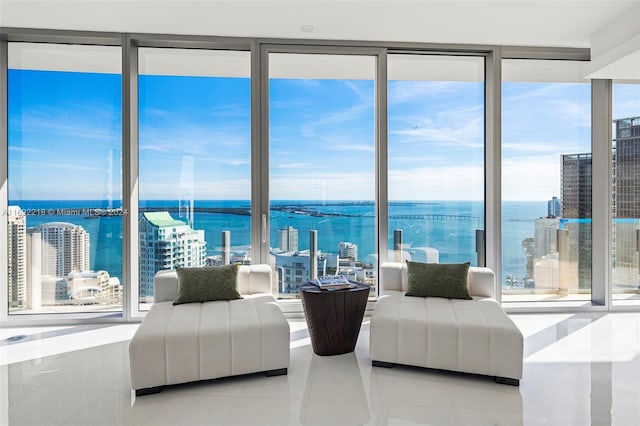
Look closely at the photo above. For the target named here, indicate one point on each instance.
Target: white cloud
(295, 166)
(343, 147)
(43, 165)
(289, 103)
(366, 96)
(25, 149)
(231, 111)
(626, 100)
(530, 147)
(351, 114)
(625, 109)
(57, 123)
(441, 137)
(441, 182)
(154, 148)
(322, 186)
(192, 139)
(531, 178)
(412, 159)
(540, 91)
(157, 112)
(216, 189)
(571, 111)
(454, 122)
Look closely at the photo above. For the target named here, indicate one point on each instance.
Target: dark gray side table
(334, 317)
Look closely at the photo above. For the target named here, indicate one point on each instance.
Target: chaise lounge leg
(382, 364)
(148, 391)
(507, 381)
(278, 372)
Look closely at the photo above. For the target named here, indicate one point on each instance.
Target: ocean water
(448, 226)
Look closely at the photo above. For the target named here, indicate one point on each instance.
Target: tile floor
(579, 369)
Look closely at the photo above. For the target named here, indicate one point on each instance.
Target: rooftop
(162, 219)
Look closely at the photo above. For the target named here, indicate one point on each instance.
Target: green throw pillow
(438, 280)
(207, 284)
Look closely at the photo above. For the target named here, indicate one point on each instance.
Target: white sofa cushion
(198, 341)
(473, 336)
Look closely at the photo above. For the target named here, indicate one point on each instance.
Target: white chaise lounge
(198, 341)
(471, 336)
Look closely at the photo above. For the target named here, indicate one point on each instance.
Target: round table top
(355, 286)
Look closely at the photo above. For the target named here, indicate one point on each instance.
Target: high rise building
(288, 239)
(166, 243)
(554, 208)
(65, 248)
(576, 192)
(576, 186)
(625, 200)
(627, 167)
(17, 251)
(577, 198)
(348, 250)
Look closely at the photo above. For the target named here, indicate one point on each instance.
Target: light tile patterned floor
(579, 369)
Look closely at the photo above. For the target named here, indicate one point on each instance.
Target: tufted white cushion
(198, 341)
(472, 336)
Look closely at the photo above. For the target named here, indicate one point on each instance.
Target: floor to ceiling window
(626, 193)
(321, 166)
(315, 139)
(436, 157)
(546, 181)
(194, 161)
(64, 173)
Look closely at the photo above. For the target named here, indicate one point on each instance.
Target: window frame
(130, 139)
(541, 56)
(259, 49)
(380, 139)
(50, 37)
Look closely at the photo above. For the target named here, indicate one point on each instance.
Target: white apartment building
(166, 243)
(93, 287)
(293, 270)
(288, 239)
(545, 236)
(65, 248)
(17, 250)
(348, 250)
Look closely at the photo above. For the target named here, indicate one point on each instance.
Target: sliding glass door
(625, 203)
(321, 166)
(195, 161)
(436, 158)
(546, 181)
(64, 213)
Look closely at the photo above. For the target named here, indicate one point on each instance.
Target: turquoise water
(448, 226)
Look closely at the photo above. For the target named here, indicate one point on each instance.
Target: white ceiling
(611, 28)
(561, 23)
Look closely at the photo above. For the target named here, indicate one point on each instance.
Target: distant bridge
(434, 217)
(247, 212)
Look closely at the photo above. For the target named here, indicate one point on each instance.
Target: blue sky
(436, 137)
(322, 139)
(64, 137)
(541, 121)
(195, 137)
